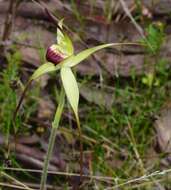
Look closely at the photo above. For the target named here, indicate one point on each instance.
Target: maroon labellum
(54, 55)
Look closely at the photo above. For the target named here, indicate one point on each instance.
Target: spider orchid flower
(61, 57)
(53, 55)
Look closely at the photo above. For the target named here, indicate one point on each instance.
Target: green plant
(150, 80)
(154, 37)
(61, 57)
(9, 86)
(154, 40)
(8, 98)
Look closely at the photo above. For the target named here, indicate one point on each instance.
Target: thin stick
(8, 21)
(137, 26)
(142, 178)
(11, 185)
(15, 180)
(104, 178)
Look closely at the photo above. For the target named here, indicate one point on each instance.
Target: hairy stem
(15, 113)
(55, 125)
(21, 100)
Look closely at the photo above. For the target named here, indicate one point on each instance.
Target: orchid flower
(61, 57)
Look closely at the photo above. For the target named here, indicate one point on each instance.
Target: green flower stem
(81, 144)
(55, 125)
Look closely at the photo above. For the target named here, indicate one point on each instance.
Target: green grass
(10, 88)
(128, 128)
(8, 96)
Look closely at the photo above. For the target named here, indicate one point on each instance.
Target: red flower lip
(54, 55)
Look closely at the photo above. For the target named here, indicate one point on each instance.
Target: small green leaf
(64, 42)
(86, 53)
(71, 88)
(145, 80)
(45, 68)
(155, 37)
(60, 36)
(148, 79)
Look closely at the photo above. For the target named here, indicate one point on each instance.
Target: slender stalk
(21, 100)
(81, 145)
(55, 125)
(9, 20)
(15, 113)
